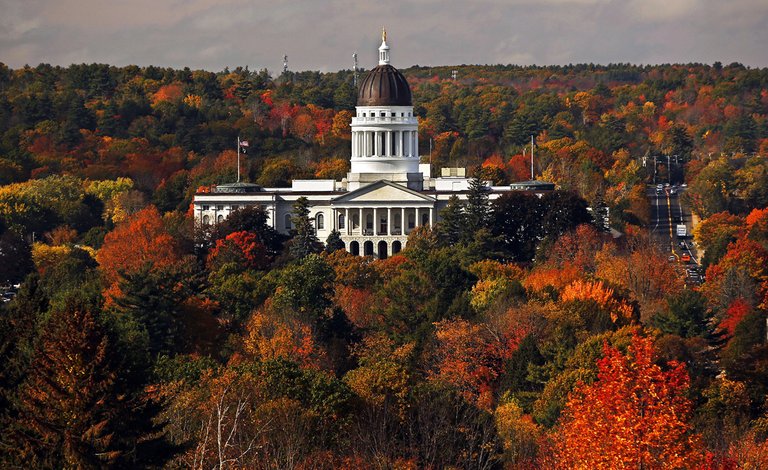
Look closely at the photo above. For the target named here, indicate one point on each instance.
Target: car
(666, 185)
(685, 258)
(673, 191)
(672, 258)
(659, 186)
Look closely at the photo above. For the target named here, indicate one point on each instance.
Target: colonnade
(377, 221)
(396, 143)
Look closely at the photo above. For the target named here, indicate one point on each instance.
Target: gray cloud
(322, 34)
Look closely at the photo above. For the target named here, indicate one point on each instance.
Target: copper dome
(384, 86)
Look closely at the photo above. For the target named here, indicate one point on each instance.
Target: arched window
(220, 219)
(342, 221)
(319, 222)
(424, 219)
(411, 220)
(287, 221)
(355, 221)
(206, 220)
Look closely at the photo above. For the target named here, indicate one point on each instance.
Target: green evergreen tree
(453, 223)
(478, 207)
(334, 242)
(304, 241)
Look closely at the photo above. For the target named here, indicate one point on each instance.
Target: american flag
(243, 143)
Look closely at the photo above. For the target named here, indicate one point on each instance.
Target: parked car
(685, 258)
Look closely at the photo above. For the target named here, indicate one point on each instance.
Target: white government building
(387, 193)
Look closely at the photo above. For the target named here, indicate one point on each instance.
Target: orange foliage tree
(471, 357)
(634, 416)
(140, 240)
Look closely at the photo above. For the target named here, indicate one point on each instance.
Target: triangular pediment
(383, 191)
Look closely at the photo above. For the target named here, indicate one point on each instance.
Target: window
(205, 208)
(320, 222)
(424, 219)
(341, 221)
(287, 221)
(363, 114)
(219, 208)
(220, 219)
(411, 220)
(402, 114)
(369, 221)
(393, 114)
(382, 114)
(206, 220)
(235, 207)
(355, 221)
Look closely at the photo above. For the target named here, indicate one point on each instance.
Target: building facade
(386, 195)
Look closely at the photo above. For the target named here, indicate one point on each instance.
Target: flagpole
(238, 158)
(531, 157)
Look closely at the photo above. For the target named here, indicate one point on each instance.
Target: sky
(323, 34)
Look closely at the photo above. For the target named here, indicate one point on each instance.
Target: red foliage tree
(634, 416)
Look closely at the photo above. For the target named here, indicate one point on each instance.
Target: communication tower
(354, 58)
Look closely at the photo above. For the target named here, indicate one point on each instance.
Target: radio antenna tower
(354, 58)
(285, 63)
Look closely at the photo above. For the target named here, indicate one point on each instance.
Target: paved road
(666, 213)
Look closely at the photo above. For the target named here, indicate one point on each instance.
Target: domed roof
(384, 86)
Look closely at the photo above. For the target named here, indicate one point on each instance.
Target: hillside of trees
(513, 334)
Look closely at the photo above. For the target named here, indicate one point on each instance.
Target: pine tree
(453, 222)
(305, 240)
(334, 242)
(478, 207)
(70, 407)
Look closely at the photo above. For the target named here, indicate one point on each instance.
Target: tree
(453, 223)
(304, 241)
(15, 257)
(334, 242)
(478, 208)
(72, 411)
(635, 415)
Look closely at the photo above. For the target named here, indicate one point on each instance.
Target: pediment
(383, 191)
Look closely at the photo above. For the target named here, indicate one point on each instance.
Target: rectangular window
(205, 207)
(219, 208)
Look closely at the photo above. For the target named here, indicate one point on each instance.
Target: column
(375, 220)
(388, 143)
(360, 220)
(377, 143)
(389, 221)
(402, 221)
(406, 146)
(431, 220)
(416, 220)
(346, 220)
(399, 143)
(415, 144)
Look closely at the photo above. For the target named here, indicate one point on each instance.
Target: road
(666, 213)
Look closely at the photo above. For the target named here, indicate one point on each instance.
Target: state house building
(387, 193)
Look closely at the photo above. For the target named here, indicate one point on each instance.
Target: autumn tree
(73, 408)
(135, 243)
(635, 415)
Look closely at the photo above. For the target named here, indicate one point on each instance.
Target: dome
(384, 86)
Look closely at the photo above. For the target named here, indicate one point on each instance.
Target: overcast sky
(323, 34)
